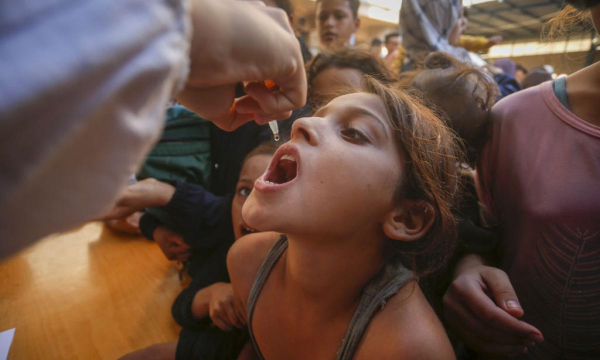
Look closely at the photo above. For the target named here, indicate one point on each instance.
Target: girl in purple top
(539, 175)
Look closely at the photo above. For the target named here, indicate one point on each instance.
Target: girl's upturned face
(335, 22)
(337, 175)
(252, 170)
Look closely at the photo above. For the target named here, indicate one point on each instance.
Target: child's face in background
(253, 168)
(392, 44)
(332, 81)
(336, 177)
(335, 22)
(520, 75)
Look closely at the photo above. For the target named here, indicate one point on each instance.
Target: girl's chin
(255, 217)
(264, 222)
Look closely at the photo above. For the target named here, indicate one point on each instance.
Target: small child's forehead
(449, 80)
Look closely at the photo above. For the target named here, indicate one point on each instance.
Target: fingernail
(535, 337)
(511, 304)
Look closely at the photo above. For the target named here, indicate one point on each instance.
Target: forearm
(211, 25)
(145, 194)
(182, 310)
(200, 305)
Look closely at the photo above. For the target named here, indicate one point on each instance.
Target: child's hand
(494, 40)
(128, 225)
(171, 244)
(482, 309)
(138, 196)
(225, 309)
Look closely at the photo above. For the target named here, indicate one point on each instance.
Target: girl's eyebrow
(358, 111)
(365, 112)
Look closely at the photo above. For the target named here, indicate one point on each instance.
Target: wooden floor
(87, 294)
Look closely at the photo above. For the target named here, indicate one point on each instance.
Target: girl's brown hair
(567, 19)
(430, 153)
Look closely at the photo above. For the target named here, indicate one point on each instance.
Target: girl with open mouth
(362, 192)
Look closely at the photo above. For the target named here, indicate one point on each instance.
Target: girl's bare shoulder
(245, 257)
(406, 328)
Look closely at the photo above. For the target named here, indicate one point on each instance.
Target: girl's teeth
(270, 183)
(288, 157)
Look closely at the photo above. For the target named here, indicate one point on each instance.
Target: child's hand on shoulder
(482, 309)
(225, 309)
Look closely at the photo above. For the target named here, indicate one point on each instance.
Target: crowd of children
(392, 202)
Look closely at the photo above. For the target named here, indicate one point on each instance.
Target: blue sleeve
(507, 84)
(149, 223)
(194, 213)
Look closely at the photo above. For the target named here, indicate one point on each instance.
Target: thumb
(503, 292)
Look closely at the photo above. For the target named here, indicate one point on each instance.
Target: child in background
(478, 44)
(213, 322)
(535, 77)
(428, 26)
(363, 193)
(464, 93)
(337, 22)
(540, 175)
(329, 73)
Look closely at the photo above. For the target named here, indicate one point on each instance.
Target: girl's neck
(327, 275)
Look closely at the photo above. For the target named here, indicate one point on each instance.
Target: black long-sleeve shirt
(204, 222)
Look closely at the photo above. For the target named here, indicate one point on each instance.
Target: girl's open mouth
(284, 171)
(283, 168)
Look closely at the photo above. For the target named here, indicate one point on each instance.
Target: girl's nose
(305, 129)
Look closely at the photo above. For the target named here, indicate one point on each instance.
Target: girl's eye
(354, 135)
(244, 191)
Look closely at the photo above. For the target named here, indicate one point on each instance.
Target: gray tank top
(374, 296)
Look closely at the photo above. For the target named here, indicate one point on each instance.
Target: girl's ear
(410, 221)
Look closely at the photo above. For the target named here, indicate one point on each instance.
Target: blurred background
(519, 22)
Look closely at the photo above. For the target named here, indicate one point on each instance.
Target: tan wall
(563, 63)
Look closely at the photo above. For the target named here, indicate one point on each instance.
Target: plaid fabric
(426, 25)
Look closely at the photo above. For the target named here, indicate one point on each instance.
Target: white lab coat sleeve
(83, 90)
